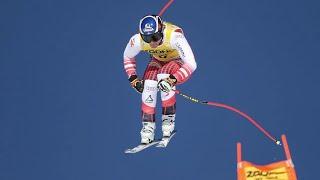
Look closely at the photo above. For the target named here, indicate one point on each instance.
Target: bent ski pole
(165, 7)
(250, 119)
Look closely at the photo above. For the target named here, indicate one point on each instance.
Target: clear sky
(67, 111)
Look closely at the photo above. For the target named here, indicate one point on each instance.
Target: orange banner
(282, 170)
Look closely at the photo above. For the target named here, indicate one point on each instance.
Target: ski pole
(250, 119)
(165, 7)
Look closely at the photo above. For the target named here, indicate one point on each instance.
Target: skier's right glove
(165, 85)
(136, 83)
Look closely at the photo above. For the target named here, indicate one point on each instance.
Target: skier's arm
(180, 43)
(129, 62)
(132, 49)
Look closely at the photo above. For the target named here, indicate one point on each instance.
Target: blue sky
(67, 110)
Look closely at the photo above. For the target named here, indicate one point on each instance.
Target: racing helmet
(151, 28)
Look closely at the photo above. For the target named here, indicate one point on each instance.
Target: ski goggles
(152, 37)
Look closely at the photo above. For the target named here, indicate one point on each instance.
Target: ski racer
(171, 63)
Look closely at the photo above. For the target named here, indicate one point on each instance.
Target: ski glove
(167, 84)
(136, 83)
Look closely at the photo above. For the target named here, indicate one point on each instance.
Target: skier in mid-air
(172, 62)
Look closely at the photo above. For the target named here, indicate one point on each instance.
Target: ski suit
(173, 56)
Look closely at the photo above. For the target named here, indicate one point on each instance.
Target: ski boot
(147, 132)
(168, 124)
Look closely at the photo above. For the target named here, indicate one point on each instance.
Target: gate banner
(282, 170)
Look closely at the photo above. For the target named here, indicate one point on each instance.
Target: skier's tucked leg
(168, 109)
(149, 100)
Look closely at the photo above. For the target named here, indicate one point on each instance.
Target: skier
(172, 62)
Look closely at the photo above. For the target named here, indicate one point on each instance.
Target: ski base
(141, 147)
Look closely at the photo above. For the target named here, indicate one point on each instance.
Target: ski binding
(165, 140)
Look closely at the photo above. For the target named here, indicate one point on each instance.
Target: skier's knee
(169, 110)
(148, 117)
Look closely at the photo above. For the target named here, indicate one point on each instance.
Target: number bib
(164, 52)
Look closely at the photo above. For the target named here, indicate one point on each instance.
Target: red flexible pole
(250, 119)
(165, 7)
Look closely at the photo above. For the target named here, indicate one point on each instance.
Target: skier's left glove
(136, 83)
(167, 84)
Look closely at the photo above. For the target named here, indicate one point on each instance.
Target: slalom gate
(281, 170)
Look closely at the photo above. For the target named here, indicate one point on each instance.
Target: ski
(141, 147)
(159, 143)
(165, 140)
